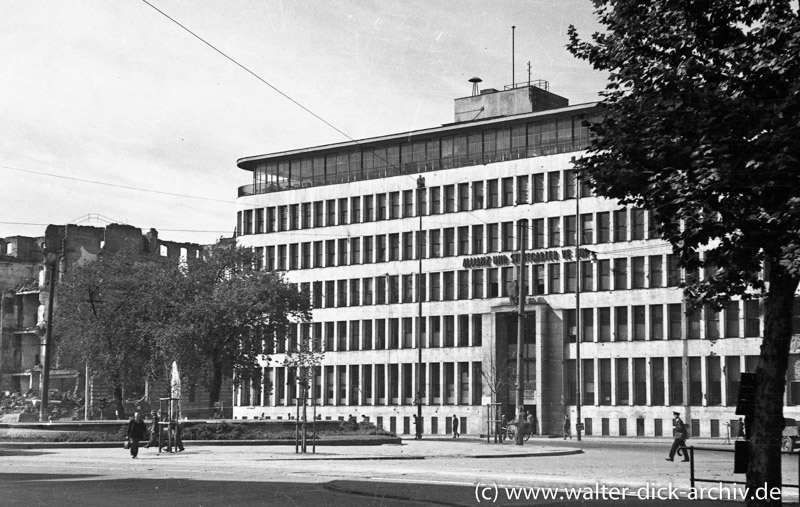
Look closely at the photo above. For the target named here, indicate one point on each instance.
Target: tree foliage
(130, 317)
(700, 126)
(106, 317)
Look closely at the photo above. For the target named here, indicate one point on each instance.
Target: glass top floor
(484, 142)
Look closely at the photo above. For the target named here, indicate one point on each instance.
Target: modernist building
(345, 222)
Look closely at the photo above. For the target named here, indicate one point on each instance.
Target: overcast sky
(111, 91)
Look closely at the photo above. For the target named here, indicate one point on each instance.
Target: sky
(111, 112)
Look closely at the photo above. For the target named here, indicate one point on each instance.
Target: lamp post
(51, 264)
(579, 421)
(420, 189)
(520, 337)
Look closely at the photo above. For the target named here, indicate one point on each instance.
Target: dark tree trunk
(766, 424)
(118, 402)
(216, 385)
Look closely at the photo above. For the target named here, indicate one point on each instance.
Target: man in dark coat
(137, 430)
(679, 433)
(455, 427)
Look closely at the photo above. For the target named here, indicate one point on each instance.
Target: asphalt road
(429, 472)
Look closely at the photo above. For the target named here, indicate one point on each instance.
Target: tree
(106, 316)
(700, 126)
(225, 312)
(302, 360)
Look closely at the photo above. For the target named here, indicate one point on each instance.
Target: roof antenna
(513, 58)
(475, 81)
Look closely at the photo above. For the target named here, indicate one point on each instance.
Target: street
(423, 472)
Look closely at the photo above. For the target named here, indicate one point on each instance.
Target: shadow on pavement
(69, 489)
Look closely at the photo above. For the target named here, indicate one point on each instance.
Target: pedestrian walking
(740, 430)
(679, 433)
(567, 427)
(417, 427)
(455, 427)
(137, 430)
(503, 428)
(154, 430)
(531, 424)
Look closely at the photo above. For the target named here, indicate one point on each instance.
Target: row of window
(554, 232)
(451, 383)
(382, 334)
(495, 193)
(659, 322)
(482, 145)
(652, 271)
(658, 381)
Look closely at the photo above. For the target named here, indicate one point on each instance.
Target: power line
(293, 101)
(138, 189)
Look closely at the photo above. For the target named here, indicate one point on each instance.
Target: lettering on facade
(533, 257)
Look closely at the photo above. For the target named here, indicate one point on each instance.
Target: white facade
(341, 221)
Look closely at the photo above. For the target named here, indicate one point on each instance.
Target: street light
(420, 189)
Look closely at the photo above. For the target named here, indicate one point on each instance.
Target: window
(569, 230)
(621, 327)
(477, 284)
(449, 198)
(493, 233)
(369, 208)
(603, 227)
(408, 245)
(621, 225)
(283, 218)
(477, 195)
(394, 247)
(355, 210)
(675, 381)
(656, 322)
(394, 289)
(751, 322)
(554, 232)
(673, 271)
(318, 254)
(732, 320)
(463, 240)
(508, 191)
(436, 200)
(493, 200)
(408, 289)
(368, 249)
(508, 236)
(587, 324)
(639, 381)
(449, 286)
(408, 203)
(343, 211)
(587, 276)
(355, 292)
(620, 274)
(381, 207)
(367, 290)
(554, 186)
(712, 324)
(380, 248)
(435, 286)
(656, 271)
(394, 205)
(449, 242)
(604, 324)
(587, 229)
(637, 224)
(604, 275)
(675, 321)
(271, 219)
(623, 396)
(571, 276)
(657, 382)
(463, 197)
(522, 190)
(436, 243)
(695, 382)
(259, 221)
(538, 188)
(330, 208)
(637, 277)
(538, 233)
(639, 329)
(587, 368)
(569, 184)
(493, 282)
(713, 381)
(604, 370)
(554, 272)
(343, 252)
(477, 239)
(319, 213)
(538, 279)
(463, 284)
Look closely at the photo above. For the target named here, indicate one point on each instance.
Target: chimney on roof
(475, 81)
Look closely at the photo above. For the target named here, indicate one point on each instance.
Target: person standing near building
(679, 433)
(740, 430)
(503, 428)
(455, 427)
(567, 427)
(154, 429)
(136, 432)
(531, 423)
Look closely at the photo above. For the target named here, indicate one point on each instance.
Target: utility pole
(51, 262)
(520, 336)
(579, 421)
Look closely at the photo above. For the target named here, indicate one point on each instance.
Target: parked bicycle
(511, 431)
